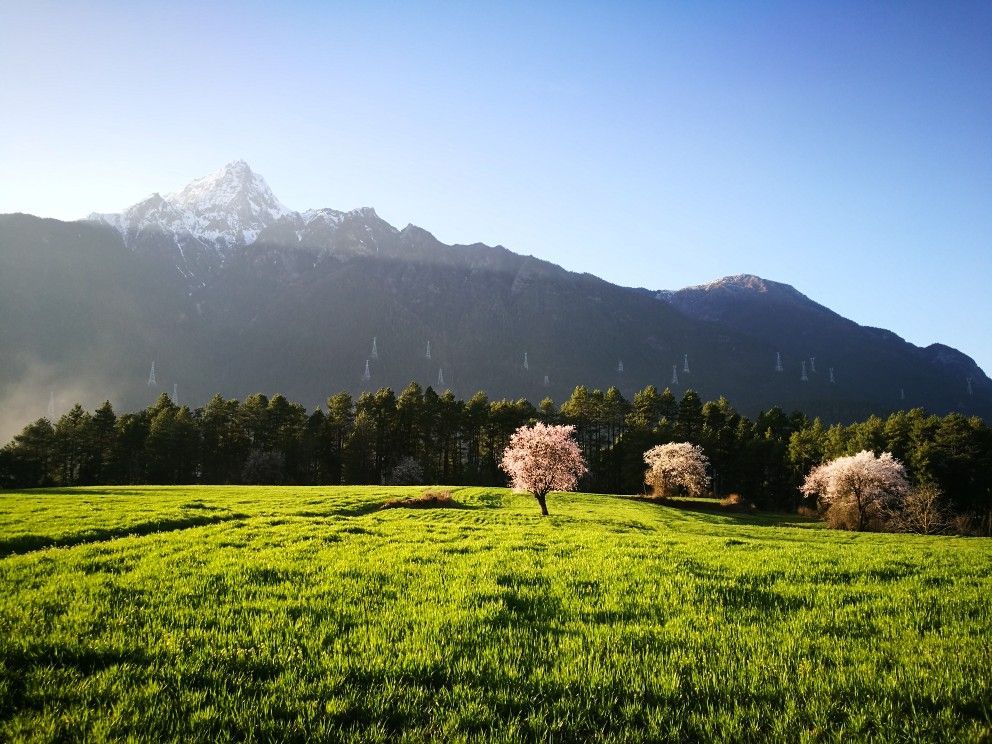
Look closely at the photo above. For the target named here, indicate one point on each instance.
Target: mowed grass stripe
(314, 615)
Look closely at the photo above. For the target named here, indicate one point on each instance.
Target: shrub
(736, 502)
(429, 498)
(963, 524)
(407, 472)
(842, 516)
(922, 511)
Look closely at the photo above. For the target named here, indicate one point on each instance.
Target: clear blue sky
(843, 148)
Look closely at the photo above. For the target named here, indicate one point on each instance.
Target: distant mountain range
(227, 290)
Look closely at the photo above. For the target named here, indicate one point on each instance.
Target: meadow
(302, 614)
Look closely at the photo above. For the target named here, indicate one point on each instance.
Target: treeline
(376, 439)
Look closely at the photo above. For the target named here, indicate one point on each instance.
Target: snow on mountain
(228, 207)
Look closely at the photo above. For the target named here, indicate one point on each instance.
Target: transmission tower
(812, 364)
(175, 393)
(969, 387)
(526, 363)
(832, 380)
(778, 361)
(151, 376)
(428, 354)
(804, 377)
(440, 377)
(675, 374)
(685, 366)
(375, 349)
(547, 381)
(620, 366)
(367, 374)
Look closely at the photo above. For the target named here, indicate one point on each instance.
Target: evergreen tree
(689, 420)
(74, 446)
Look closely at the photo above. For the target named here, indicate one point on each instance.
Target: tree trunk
(542, 500)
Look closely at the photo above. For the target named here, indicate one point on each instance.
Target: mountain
(874, 364)
(228, 290)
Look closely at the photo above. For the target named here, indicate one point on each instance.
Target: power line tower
(151, 376)
(620, 366)
(778, 361)
(685, 366)
(175, 393)
(367, 374)
(812, 364)
(428, 354)
(804, 377)
(547, 381)
(675, 374)
(832, 380)
(902, 393)
(440, 377)
(375, 349)
(526, 363)
(970, 392)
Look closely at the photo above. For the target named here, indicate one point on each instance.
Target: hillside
(200, 614)
(227, 290)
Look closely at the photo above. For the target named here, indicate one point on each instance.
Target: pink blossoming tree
(676, 465)
(542, 459)
(863, 482)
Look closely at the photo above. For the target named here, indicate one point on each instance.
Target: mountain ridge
(233, 292)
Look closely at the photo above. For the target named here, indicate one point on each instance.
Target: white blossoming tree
(542, 459)
(677, 465)
(865, 483)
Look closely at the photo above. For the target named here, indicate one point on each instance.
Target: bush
(923, 511)
(429, 498)
(845, 515)
(736, 502)
(407, 472)
(841, 516)
(963, 524)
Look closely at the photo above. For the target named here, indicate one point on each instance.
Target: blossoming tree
(542, 459)
(863, 482)
(676, 465)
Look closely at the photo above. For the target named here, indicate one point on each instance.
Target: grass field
(212, 614)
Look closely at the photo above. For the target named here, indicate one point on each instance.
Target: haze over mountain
(227, 290)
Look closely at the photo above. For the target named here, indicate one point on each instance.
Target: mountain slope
(870, 362)
(228, 290)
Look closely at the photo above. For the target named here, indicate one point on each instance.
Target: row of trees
(375, 438)
(856, 492)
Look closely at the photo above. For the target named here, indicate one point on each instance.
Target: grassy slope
(301, 613)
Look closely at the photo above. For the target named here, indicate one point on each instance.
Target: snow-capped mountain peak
(225, 208)
(233, 188)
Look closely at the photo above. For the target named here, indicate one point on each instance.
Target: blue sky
(844, 148)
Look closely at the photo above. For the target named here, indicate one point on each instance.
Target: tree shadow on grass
(713, 512)
(345, 510)
(29, 543)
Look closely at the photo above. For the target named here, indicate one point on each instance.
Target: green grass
(212, 614)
